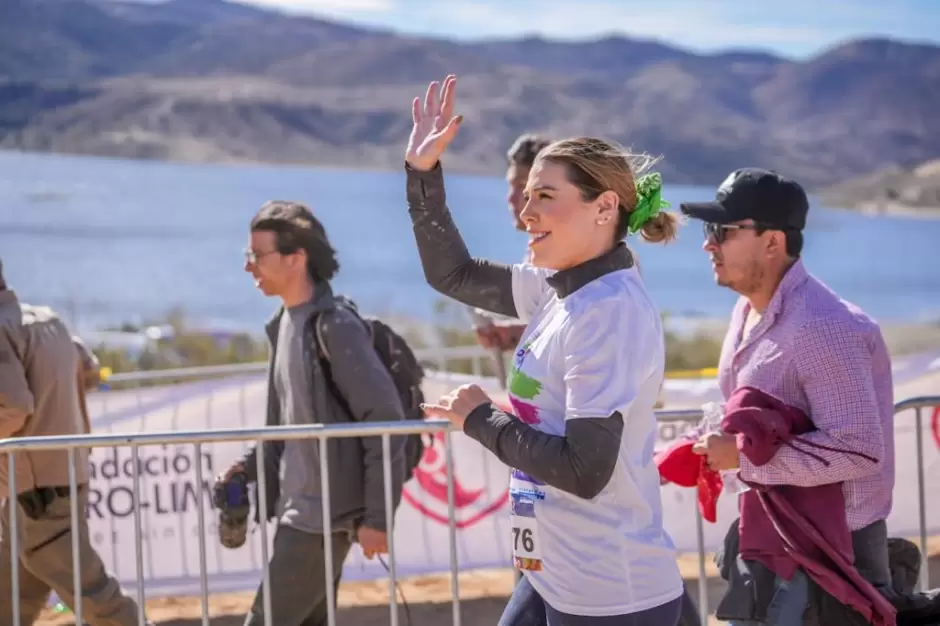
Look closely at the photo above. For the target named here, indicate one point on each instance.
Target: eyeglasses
(252, 257)
(719, 232)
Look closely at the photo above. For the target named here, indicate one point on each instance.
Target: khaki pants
(45, 564)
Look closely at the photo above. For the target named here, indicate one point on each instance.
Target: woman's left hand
(458, 404)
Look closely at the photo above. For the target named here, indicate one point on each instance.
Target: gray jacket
(357, 492)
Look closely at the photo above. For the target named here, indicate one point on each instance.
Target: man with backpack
(327, 365)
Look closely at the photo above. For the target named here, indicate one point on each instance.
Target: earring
(603, 221)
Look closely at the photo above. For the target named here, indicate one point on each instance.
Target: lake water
(109, 240)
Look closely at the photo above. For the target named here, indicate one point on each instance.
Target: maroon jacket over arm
(787, 527)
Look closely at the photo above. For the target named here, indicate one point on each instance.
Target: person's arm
(834, 363)
(16, 399)
(370, 394)
(448, 266)
(599, 384)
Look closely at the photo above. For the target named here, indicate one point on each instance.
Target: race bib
(526, 545)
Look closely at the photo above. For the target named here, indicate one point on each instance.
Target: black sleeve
(369, 392)
(580, 463)
(448, 266)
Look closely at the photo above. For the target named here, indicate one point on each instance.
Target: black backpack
(403, 366)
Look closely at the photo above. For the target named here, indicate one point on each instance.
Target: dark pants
(298, 579)
(526, 608)
(689, 614)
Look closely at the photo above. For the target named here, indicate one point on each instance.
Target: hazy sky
(789, 27)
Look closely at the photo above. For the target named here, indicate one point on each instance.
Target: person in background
(585, 507)
(90, 367)
(496, 332)
(794, 338)
(40, 387)
(290, 258)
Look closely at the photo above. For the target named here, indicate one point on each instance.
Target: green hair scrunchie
(649, 201)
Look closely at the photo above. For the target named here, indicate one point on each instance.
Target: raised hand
(434, 125)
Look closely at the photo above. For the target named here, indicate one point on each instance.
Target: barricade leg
(201, 521)
(390, 528)
(452, 527)
(922, 501)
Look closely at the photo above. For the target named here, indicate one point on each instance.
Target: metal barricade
(197, 438)
(918, 405)
(322, 433)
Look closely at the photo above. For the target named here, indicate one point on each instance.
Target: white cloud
(794, 24)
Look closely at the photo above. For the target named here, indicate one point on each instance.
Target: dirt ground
(483, 595)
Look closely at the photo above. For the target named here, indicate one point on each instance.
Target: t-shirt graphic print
(523, 389)
(524, 489)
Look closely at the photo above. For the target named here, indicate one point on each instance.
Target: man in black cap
(758, 201)
(793, 337)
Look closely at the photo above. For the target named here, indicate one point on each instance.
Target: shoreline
(469, 168)
(894, 210)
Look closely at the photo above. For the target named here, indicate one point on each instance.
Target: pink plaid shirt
(826, 357)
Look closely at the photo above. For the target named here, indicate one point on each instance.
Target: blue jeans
(788, 604)
(526, 608)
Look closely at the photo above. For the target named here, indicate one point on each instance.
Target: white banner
(170, 501)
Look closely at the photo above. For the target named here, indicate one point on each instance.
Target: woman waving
(586, 515)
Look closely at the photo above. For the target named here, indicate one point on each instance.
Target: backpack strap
(322, 350)
(323, 353)
(339, 302)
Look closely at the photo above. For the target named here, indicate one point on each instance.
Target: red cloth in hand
(680, 465)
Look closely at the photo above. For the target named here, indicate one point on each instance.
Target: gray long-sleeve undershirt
(583, 460)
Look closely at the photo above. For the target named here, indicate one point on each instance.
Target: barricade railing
(439, 357)
(320, 432)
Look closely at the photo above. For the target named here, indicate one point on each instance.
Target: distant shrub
(187, 347)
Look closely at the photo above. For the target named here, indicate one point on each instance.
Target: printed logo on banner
(168, 492)
(427, 491)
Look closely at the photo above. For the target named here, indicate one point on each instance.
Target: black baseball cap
(754, 194)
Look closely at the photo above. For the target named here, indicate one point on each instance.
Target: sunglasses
(718, 233)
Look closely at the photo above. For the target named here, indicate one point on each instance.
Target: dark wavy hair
(525, 148)
(295, 228)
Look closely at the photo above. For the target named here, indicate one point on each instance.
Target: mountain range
(211, 80)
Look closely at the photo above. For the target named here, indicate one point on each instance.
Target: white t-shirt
(597, 351)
